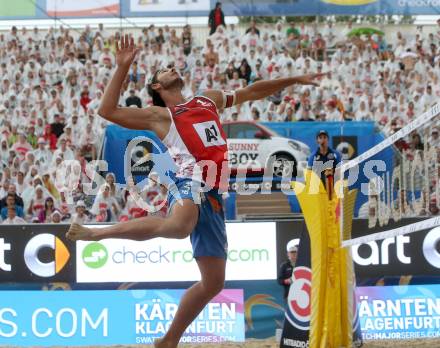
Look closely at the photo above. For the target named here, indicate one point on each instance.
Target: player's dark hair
(157, 99)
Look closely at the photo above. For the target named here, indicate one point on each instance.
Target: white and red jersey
(195, 139)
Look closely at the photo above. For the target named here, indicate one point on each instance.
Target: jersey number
(209, 133)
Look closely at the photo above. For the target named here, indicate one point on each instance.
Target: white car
(254, 147)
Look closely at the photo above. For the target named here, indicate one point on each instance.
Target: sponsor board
(74, 8)
(36, 318)
(346, 145)
(166, 5)
(35, 253)
(416, 254)
(251, 256)
(411, 254)
(399, 312)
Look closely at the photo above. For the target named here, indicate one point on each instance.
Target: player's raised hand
(125, 51)
(310, 79)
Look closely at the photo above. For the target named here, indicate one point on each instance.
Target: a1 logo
(209, 133)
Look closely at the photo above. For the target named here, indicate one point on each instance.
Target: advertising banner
(82, 8)
(415, 254)
(329, 7)
(251, 255)
(36, 318)
(43, 9)
(411, 254)
(298, 307)
(18, 9)
(155, 6)
(36, 253)
(399, 312)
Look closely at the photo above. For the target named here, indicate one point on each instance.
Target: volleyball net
(397, 179)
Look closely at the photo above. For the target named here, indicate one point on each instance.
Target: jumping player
(192, 132)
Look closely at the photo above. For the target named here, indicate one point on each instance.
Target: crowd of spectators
(52, 83)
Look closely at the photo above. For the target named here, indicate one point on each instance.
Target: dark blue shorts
(209, 235)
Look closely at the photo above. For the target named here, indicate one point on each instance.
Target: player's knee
(213, 286)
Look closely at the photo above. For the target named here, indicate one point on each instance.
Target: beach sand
(271, 343)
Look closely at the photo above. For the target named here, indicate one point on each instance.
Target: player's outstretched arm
(133, 118)
(263, 89)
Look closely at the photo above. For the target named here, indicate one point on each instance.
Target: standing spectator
(319, 48)
(187, 40)
(216, 18)
(253, 28)
(292, 30)
(286, 269)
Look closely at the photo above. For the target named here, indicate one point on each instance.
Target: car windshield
(247, 130)
(268, 130)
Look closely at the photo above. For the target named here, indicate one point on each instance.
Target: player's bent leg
(212, 270)
(179, 224)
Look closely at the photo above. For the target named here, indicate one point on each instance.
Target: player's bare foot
(159, 343)
(78, 232)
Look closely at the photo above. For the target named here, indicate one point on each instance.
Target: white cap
(293, 245)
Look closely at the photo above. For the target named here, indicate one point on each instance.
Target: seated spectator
(115, 192)
(333, 114)
(105, 207)
(50, 137)
(57, 126)
(12, 189)
(133, 99)
(87, 142)
(42, 155)
(20, 183)
(433, 206)
(363, 114)
(50, 186)
(12, 218)
(55, 217)
(21, 147)
(46, 211)
(11, 204)
(81, 215)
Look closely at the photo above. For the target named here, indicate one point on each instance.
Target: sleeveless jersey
(196, 141)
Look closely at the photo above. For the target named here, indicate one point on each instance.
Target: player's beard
(176, 83)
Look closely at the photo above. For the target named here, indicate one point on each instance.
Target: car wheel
(283, 165)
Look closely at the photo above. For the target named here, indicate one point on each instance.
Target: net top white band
(417, 226)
